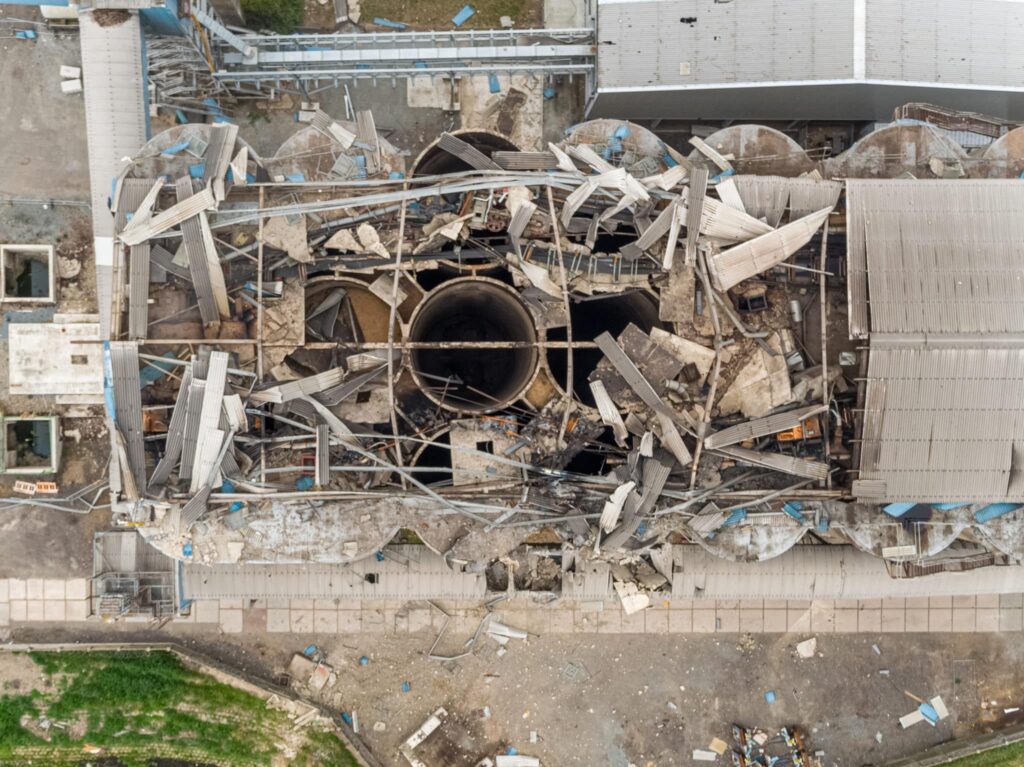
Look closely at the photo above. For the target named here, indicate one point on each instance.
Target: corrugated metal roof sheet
(945, 41)
(944, 423)
(407, 572)
(124, 359)
(935, 256)
(824, 572)
(116, 125)
(691, 42)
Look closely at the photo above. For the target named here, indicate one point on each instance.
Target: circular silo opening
(482, 379)
(590, 319)
(434, 160)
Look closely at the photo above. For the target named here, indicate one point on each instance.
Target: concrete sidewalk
(56, 600)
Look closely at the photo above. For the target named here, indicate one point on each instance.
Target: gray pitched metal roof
(116, 126)
(945, 422)
(940, 256)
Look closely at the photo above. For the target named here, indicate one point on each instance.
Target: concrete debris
(288, 234)
(633, 601)
(807, 648)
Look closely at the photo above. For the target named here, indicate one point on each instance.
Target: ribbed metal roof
(408, 572)
(116, 126)
(941, 422)
(806, 59)
(686, 42)
(824, 572)
(941, 256)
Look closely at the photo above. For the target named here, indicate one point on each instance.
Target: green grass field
(140, 706)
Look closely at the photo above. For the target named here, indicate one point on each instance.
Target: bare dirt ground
(437, 14)
(42, 131)
(640, 700)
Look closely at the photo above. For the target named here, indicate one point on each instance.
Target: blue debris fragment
(621, 132)
(770, 696)
(25, 34)
(227, 486)
(379, 556)
(180, 116)
(792, 508)
(236, 506)
(154, 371)
(197, 170)
(737, 516)
(994, 510)
(495, 85)
(948, 506)
(310, 651)
(394, 175)
(304, 483)
(420, 64)
(823, 525)
(928, 712)
(406, 687)
(346, 717)
(389, 23)
(364, 661)
(186, 550)
(723, 175)
(511, 751)
(222, 119)
(668, 160)
(898, 509)
(173, 150)
(295, 178)
(549, 93)
(463, 16)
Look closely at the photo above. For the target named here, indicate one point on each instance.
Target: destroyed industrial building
(597, 367)
(558, 369)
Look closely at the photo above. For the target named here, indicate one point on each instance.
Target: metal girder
(357, 73)
(248, 52)
(405, 54)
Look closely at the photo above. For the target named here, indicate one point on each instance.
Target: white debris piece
(516, 760)
(807, 648)
(703, 755)
(343, 239)
(70, 73)
(665, 180)
(632, 600)
(71, 86)
(711, 153)
(610, 415)
(370, 240)
(613, 506)
(500, 629)
(911, 719)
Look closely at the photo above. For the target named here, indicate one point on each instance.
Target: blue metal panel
(994, 510)
(162, 21)
(898, 509)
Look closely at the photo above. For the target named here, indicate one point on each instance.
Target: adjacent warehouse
(805, 59)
